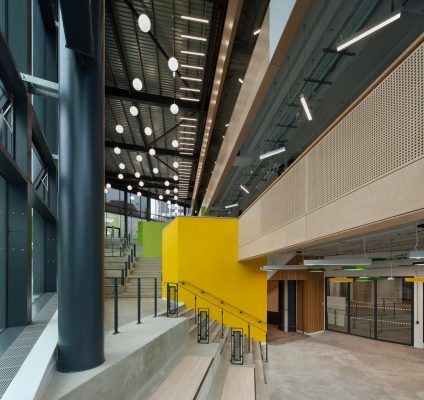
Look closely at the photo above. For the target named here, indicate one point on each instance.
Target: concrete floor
(127, 310)
(332, 365)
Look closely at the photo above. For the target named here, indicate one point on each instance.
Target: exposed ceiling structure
(152, 146)
(330, 81)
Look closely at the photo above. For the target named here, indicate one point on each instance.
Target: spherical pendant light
(139, 194)
(139, 157)
(132, 198)
(144, 23)
(137, 84)
(168, 202)
(175, 164)
(152, 152)
(129, 187)
(174, 108)
(175, 143)
(117, 150)
(167, 191)
(160, 197)
(175, 197)
(173, 64)
(119, 128)
(141, 183)
(121, 165)
(148, 131)
(166, 183)
(175, 190)
(120, 176)
(134, 111)
(155, 170)
(175, 177)
(137, 175)
(108, 185)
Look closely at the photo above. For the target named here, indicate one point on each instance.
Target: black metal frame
(374, 337)
(237, 346)
(203, 325)
(172, 300)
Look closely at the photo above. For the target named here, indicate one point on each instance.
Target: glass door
(337, 306)
(362, 308)
(3, 254)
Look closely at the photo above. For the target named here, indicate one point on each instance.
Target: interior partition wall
(377, 309)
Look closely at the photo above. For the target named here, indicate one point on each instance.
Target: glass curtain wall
(377, 309)
(3, 274)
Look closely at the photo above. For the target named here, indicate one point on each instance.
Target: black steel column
(125, 214)
(81, 200)
(148, 209)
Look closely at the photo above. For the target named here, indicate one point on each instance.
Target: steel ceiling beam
(142, 149)
(149, 99)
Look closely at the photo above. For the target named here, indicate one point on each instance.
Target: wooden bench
(185, 380)
(239, 384)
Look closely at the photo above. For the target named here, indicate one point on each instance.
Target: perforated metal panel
(382, 133)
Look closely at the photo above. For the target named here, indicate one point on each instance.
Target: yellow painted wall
(203, 252)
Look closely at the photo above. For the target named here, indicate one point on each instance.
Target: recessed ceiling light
(198, 38)
(121, 166)
(152, 152)
(191, 67)
(189, 78)
(155, 170)
(134, 111)
(195, 19)
(117, 150)
(119, 128)
(137, 84)
(120, 176)
(148, 131)
(193, 53)
(139, 157)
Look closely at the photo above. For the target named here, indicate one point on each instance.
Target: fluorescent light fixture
(185, 153)
(338, 261)
(243, 188)
(232, 205)
(281, 267)
(186, 138)
(190, 89)
(191, 66)
(187, 144)
(240, 80)
(418, 263)
(188, 126)
(256, 32)
(305, 107)
(186, 162)
(195, 19)
(354, 267)
(199, 38)
(368, 31)
(417, 254)
(193, 53)
(188, 119)
(189, 99)
(188, 78)
(272, 153)
(187, 133)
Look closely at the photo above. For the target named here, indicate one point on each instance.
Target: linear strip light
(232, 205)
(272, 153)
(369, 278)
(189, 78)
(316, 269)
(187, 144)
(193, 53)
(199, 38)
(186, 138)
(305, 107)
(195, 19)
(354, 267)
(190, 89)
(188, 119)
(368, 31)
(188, 133)
(188, 126)
(256, 32)
(191, 66)
(416, 254)
(186, 162)
(337, 261)
(243, 188)
(189, 99)
(185, 153)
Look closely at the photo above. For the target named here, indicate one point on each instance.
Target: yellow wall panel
(203, 252)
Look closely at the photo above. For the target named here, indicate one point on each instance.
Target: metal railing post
(132, 255)
(138, 300)
(266, 347)
(195, 309)
(126, 269)
(115, 303)
(129, 262)
(134, 250)
(222, 323)
(122, 277)
(248, 338)
(156, 297)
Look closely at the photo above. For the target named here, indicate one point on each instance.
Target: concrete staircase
(147, 269)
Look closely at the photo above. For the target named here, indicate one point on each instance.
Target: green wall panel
(150, 236)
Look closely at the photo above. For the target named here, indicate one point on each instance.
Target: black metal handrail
(220, 306)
